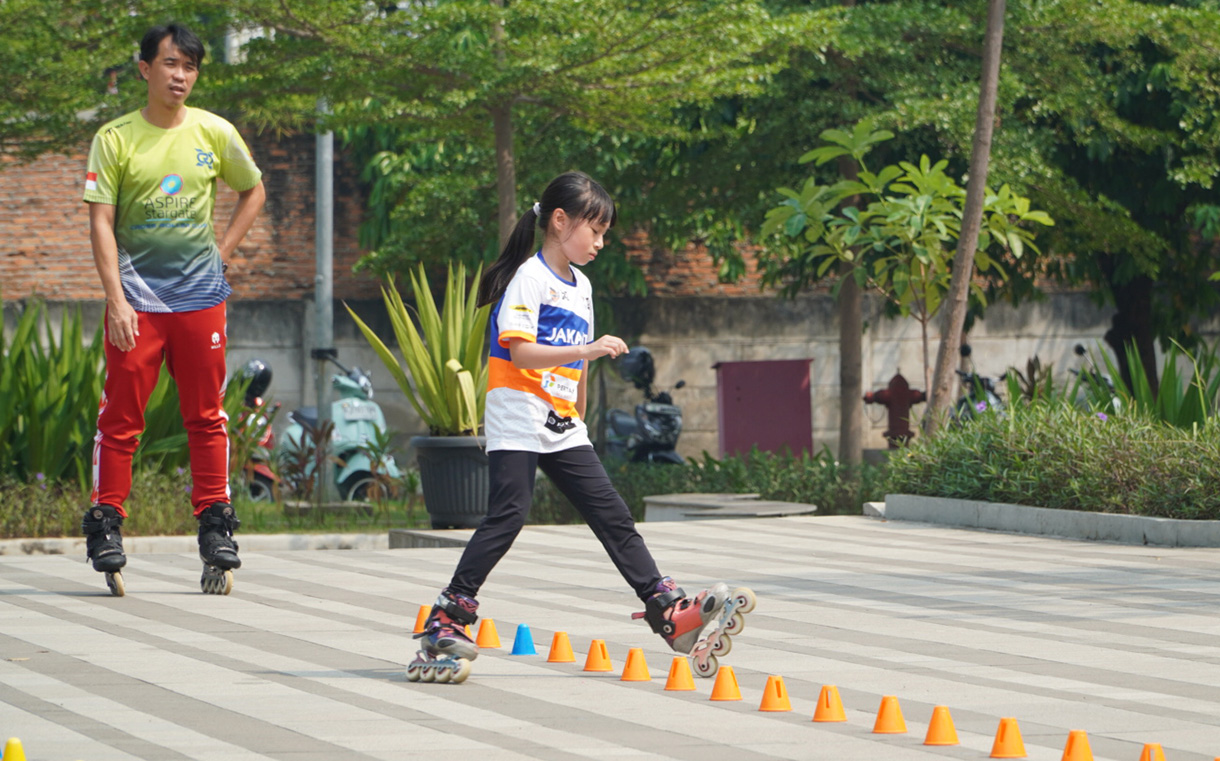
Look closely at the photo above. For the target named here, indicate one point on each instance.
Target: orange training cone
(680, 677)
(1077, 748)
(889, 718)
(830, 707)
(421, 618)
(1008, 742)
(941, 730)
(775, 697)
(13, 751)
(599, 659)
(488, 636)
(636, 669)
(726, 687)
(1152, 752)
(561, 649)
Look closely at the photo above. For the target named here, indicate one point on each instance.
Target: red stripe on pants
(192, 345)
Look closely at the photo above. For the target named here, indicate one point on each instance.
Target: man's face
(171, 75)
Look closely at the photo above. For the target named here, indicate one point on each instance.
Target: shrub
(1060, 456)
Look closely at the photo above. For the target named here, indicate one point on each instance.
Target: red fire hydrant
(898, 398)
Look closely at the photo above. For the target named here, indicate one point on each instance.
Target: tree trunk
(506, 168)
(851, 349)
(972, 218)
(506, 171)
(1132, 323)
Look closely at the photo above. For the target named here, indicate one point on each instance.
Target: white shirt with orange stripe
(535, 410)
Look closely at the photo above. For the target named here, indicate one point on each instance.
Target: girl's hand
(607, 345)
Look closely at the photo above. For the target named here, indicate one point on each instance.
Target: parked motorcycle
(357, 439)
(979, 394)
(651, 434)
(255, 422)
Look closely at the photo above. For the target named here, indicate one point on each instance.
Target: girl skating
(542, 341)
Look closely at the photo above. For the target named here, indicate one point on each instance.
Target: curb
(1070, 524)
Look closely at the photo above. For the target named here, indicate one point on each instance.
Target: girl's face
(579, 239)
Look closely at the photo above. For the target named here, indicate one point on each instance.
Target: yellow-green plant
(444, 368)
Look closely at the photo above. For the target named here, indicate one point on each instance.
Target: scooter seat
(306, 416)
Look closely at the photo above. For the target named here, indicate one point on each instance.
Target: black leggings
(579, 474)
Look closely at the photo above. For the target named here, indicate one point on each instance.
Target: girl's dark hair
(580, 197)
(184, 39)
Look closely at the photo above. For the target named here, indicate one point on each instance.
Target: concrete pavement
(303, 661)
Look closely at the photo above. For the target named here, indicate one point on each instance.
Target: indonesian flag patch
(91, 181)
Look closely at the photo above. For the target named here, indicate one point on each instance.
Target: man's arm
(249, 204)
(122, 322)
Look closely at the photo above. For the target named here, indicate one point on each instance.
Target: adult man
(151, 186)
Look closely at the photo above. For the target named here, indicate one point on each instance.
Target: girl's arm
(528, 355)
(581, 396)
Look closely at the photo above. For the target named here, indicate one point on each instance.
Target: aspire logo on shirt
(569, 336)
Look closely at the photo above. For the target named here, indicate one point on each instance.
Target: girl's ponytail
(519, 248)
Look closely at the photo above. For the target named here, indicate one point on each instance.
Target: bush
(813, 479)
(1060, 456)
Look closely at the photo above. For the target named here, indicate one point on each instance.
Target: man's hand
(122, 325)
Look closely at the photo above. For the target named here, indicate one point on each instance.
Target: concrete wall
(687, 337)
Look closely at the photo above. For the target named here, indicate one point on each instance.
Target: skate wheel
(414, 669)
(428, 673)
(707, 668)
(114, 580)
(461, 672)
(735, 624)
(744, 599)
(723, 645)
(444, 673)
(216, 583)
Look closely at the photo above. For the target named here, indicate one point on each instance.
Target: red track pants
(192, 344)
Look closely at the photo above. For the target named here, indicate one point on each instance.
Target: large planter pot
(453, 473)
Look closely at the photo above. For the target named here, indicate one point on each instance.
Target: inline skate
(104, 544)
(217, 549)
(698, 627)
(446, 651)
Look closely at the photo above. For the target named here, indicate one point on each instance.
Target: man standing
(151, 186)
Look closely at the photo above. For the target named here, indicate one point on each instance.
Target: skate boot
(446, 650)
(681, 621)
(104, 544)
(217, 549)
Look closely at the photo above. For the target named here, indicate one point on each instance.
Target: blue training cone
(523, 644)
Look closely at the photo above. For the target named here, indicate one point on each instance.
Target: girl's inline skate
(446, 651)
(698, 627)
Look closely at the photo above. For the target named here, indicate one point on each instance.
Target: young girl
(542, 341)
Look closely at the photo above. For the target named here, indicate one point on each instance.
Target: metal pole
(324, 245)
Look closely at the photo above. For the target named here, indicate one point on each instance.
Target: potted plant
(444, 375)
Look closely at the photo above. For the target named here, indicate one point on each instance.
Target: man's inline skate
(698, 627)
(104, 544)
(446, 651)
(217, 549)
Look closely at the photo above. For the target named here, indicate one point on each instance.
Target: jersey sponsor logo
(91, 181)
(521, 308)
(559, 386)
(204, 158)
(558, 424)
(555, 297)
(567, 337)
(171, 184)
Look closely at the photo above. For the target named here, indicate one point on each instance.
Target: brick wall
(44, 228)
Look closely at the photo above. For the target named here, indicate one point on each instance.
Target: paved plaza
(304, 661)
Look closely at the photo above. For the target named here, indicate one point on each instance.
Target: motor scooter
(651, 435)
(255, 419)
(979, 393)
(358, 433)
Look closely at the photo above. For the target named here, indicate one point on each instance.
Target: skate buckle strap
(655, 607)
(220, 514)
(100, 518)
(455, 610)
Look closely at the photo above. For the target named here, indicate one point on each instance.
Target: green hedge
(814, 479)
(1060, 456)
